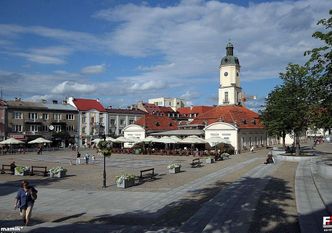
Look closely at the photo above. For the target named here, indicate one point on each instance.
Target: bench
(196, 163)
(149, 174)
(8, 168)
(38, 169)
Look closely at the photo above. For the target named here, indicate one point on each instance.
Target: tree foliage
(320, 67)
(286, 107)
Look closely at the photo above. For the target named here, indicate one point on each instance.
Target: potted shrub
(209, 159)
(58, 172)
(21, 170)
(174, 168)
(125, 181)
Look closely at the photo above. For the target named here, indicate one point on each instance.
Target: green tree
(275, 114)
(320, 67)
(287, 106)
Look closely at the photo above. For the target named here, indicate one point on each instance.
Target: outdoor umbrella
(193, 140)
(96, 140)
(127, 139)
(110, 139)
(178, 140)
(39, 141)
(11, 141)
(150, 139)
(166, 140)
(213, 141)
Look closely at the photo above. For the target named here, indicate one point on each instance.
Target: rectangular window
(57, 128)
(69, 116)
(226, 97)
(45, 116)
(17, 128)
(83, 119)
(33, 116)
(33, 128)
(83, 129)
(70, 128)
(131, 121)
(44, 128)
(112, 121)
(18, 115)
(57, 116)
(122, 122)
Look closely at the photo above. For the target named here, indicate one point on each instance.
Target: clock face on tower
(225, 74)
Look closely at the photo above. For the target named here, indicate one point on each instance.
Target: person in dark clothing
(25, 200)
(12, 167)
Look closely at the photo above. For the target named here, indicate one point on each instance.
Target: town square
(166, 116)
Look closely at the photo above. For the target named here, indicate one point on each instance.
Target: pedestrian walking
(87, 156)
(93, 158)
(25, 200)
(78, 158)
(252, 149)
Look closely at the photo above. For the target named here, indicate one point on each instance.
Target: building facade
(3, 107)
(92, 119)
(28, 120)
(174, 103)
(119, 119)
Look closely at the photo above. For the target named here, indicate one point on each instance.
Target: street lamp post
(104, 173)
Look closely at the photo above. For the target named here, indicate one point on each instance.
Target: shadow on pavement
(270, 216)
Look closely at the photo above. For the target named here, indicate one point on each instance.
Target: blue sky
(126, 51)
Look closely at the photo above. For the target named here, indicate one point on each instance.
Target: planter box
(25, 173)
(209, 160)
(174, 170)
(126, 184)
(58, 175)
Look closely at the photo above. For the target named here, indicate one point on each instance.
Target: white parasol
(11, 141)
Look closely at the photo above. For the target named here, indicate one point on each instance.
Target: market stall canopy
(110, 139)
(127, 140)
(178, 140)
(39, 140)
(193, 140)
(213, 141)
(96, 140)
(11, 141)
(150, 139)
(166, 140)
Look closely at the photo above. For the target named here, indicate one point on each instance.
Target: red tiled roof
(194, 110)
(243, 117)
(156, 123)
(154, 109)
(88, 104)
(125, 111)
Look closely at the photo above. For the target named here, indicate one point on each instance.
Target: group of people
(86, 157)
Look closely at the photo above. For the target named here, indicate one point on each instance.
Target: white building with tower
(229, 78)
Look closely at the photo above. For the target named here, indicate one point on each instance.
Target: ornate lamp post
(105, 149)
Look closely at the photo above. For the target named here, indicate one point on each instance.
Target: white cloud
(40, 58)
(68, 87)
(96, 69)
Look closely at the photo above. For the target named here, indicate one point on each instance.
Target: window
(45, 116)
(83, 119)
(70, 128)
(83, 129)
(57, 128)
(33, 128)
(69, 116)
(226, 97)
(131, 121)
(33, 115)
(17, 128)
(112, 122)
(57, 116)
(44, 128)
(18, 115)
(101, 119)
(122, 122)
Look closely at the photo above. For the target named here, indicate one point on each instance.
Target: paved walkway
(98, 203)
(313, 194)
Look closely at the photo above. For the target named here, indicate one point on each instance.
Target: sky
(123, 52)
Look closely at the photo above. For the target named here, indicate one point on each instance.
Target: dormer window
(157, 124)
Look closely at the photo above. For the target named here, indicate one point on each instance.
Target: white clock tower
(229, 90)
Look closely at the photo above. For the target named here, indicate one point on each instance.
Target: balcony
(33, 121)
